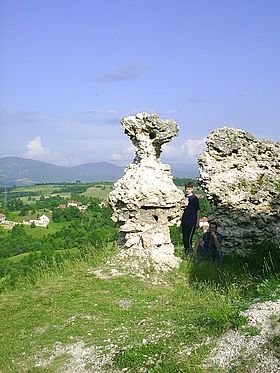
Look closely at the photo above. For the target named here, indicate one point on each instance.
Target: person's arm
(197, 219)
(217, 243)
(197, 244)
(198, 213)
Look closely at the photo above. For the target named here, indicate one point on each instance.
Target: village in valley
(43, 220)
(61, 217)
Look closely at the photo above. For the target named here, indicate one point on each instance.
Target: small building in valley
(43, 221)
(72, 203)
(2, 217)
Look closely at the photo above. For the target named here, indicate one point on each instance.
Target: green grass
(14, 216)
(41, 231)
(44, 189)
(100, 190)
(96, 192)
(65, 252)
(17, 258)
(167, 327)
(29, 202)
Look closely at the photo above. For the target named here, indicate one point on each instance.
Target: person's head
(213, 226)
(188, 188)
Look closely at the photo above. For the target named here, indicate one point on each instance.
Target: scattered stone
(106, 274)
(41, 329)
(125, 303)
(82, 359)
(235, 348)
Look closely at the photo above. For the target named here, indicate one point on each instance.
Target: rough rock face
(241, 175)
(145, 200)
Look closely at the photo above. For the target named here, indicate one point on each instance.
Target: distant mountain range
(22, 171)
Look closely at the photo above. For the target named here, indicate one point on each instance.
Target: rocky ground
(256, 348)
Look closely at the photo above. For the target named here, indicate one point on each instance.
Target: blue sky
(70, 70)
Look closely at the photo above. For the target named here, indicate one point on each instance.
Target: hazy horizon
(118, 164)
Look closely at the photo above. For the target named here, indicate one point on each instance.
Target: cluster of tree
(181, 181)
(14, 205)
(92, 228)
(104, 185)
(46, 203)
(42, 204)
(14, 242)
(65, 214)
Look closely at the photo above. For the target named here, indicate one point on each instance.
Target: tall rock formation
(241, 176)
(145, 200)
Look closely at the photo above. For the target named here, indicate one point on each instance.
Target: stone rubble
(235, 348)
(145, 200)
(241, 177)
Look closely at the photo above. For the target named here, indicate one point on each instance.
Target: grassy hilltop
(58, 316)
(68, 320)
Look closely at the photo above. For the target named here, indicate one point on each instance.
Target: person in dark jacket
(210, 244)
(190, 218)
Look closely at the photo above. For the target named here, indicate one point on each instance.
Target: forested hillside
(70, 231)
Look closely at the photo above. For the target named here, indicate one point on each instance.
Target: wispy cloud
(23, 116)
(99, 112)
(129, 72)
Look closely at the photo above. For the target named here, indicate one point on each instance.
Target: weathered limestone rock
(145, 200)
(241, 176)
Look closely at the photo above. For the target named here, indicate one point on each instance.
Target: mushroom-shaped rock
(145, 200)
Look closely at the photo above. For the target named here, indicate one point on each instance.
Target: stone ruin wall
(145, 200)
(241, 177)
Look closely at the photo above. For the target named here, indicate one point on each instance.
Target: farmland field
(99, 191)
(44, 189)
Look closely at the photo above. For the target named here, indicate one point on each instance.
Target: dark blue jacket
(209, 243)
(190, 213)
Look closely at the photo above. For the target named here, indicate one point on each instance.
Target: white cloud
(194, 147)
(37, 151)
(186, 152)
